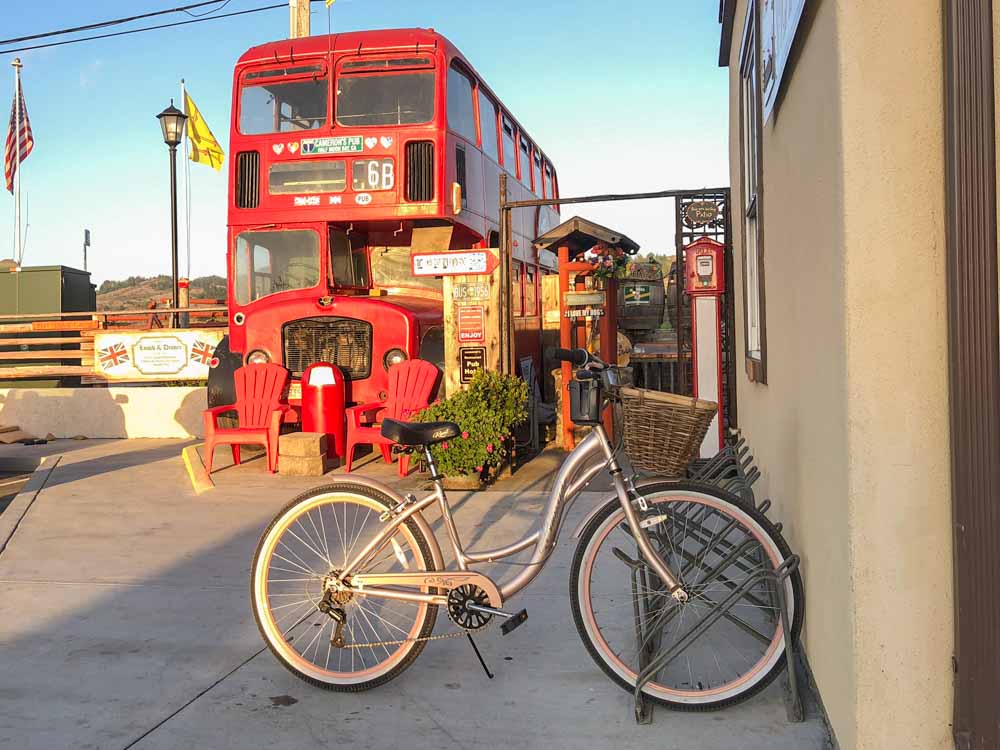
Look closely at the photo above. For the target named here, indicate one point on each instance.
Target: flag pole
(186, 191)
(17, 159)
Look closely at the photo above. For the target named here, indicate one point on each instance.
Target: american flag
(18, 114)
(113, 355)
(202, 352)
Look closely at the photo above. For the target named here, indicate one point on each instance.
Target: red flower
(479, 469)
(444, 445)
(489, 448)
(465, 436)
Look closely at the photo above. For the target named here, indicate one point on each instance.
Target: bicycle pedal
(514, 621)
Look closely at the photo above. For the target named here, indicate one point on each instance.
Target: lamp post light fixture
(172, 123)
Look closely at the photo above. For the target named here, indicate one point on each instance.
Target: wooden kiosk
(584, 302)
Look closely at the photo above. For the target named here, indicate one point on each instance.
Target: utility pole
(298, 11)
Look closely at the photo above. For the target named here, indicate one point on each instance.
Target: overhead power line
(113, 22)
(144, 28)
(199, 18)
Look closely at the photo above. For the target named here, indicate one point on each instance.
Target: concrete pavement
(125, 623)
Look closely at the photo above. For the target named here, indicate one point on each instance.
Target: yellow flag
(329, 3)
(204, 148)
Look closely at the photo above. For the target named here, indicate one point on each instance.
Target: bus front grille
(247, 192)
(420, 171)
(344, 342)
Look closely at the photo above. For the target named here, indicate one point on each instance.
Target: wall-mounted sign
(471, 324)
(700, 213)
(471, 359)
(585, 312)
(454, 263)
(585, 298)
(470, 290)
(344, 144)
(183, 354)
(638, 294)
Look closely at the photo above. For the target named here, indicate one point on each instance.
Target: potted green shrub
(487, 411)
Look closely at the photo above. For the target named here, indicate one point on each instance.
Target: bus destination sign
(460, 263)
(343, 144)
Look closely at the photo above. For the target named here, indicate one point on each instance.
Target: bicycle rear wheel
(717, 547)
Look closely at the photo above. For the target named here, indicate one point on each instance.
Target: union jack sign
(202, 352)
(113, 355)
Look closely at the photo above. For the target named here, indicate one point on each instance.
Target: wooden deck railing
(69, 349)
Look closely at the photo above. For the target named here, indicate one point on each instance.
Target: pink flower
(465, 436)
(489, 448)
(479, 469)
(444, 445)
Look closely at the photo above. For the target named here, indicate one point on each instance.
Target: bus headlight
(393, 357)
(258, 357)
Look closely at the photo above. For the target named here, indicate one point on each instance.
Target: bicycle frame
(579, 468)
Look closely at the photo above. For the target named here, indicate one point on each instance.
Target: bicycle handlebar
(576, 357)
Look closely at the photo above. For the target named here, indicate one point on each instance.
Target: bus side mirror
(456, 198)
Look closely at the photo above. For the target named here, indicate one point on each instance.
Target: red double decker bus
(349, 152)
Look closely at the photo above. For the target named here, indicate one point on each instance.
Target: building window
(750, 163)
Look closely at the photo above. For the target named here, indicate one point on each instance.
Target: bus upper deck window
(283, 100)
(397, 91)
(525, 161)
(509, 149)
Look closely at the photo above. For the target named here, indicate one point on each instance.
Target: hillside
(136, 292)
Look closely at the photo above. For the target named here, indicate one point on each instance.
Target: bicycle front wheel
(721, 551)
(308, 542)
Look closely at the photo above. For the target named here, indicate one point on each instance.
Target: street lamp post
(172, 123)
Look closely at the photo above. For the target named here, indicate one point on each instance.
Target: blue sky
(623, 97)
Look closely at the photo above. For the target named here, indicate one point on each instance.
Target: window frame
(331, 276)
(338, 72)
(461, 70)
(751, 190)
(306, 71)
(524, 148)
(507, 126)
(482, 96)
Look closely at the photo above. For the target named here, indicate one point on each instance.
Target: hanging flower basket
(608, 262)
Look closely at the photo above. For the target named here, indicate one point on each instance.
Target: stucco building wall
(851, 429)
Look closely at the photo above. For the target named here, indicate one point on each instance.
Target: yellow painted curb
(200, 481)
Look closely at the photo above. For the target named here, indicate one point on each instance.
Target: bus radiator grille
(344, 342)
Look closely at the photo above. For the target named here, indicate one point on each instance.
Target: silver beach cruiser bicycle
(348, 578)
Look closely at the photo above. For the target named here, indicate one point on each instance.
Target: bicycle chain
(439, 637)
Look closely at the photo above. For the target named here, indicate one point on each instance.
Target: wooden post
(298, 15)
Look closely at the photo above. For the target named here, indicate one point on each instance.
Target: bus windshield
(274, 261)
(391, 267)
(392, 99)
(283, 100)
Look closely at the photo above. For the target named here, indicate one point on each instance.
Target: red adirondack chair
(259, 410)
(410, 386)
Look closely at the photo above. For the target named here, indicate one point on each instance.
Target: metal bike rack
(732, 469)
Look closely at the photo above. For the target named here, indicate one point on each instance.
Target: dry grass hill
(136, 292)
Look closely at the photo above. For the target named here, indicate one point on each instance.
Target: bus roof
(388, 40)
(372, 41)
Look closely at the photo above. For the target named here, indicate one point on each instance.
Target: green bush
(487, 411)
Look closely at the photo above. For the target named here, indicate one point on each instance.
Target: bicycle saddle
(419, 433)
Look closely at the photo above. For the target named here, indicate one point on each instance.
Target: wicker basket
(663, 430)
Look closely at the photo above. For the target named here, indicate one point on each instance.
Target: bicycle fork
(625, 491)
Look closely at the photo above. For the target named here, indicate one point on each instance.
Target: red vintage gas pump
(705, 282)
(323, 405)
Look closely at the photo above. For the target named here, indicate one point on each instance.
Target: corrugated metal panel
(420, 171)
(974, 360)
(247, 179)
